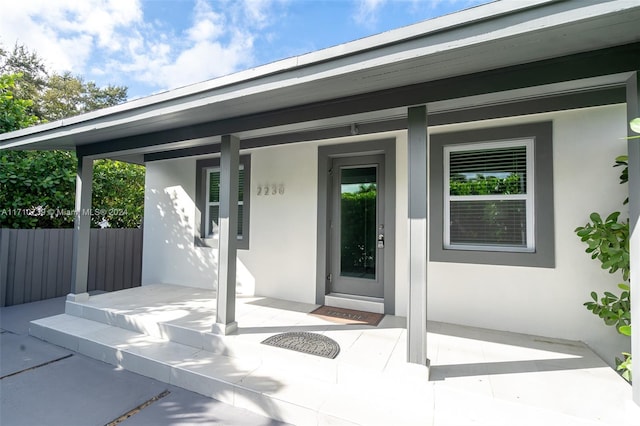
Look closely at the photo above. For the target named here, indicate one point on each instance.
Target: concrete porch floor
(477, 376)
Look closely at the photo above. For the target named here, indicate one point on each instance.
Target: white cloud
(207, 24)
(215, 44)
(64, 32)
(367, 12)
(110, 39)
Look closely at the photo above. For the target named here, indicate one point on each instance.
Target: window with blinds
(213, 201)
(488, 196)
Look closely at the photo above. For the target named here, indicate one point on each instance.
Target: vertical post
(633, 149)
(81, 231)
(417, 314)
(228, 236)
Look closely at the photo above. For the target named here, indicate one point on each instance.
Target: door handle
(380, 241)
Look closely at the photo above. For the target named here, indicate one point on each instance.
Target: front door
(356, 228)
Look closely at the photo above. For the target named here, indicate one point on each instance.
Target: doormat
(347, 316)
(308, 343)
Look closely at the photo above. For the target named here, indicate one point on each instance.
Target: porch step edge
(251, 384)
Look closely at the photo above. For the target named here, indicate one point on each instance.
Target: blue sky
(154, 45)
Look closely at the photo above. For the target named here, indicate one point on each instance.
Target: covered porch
(478, 376)
(458, 72)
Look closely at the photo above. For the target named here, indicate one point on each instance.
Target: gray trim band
(607, 96)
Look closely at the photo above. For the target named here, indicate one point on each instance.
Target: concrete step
(281, 384)
(346, 369)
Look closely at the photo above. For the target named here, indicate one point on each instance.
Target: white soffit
(490, 36)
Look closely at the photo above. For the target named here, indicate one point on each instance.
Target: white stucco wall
(169, 255)
(282, 259)
(540, 301)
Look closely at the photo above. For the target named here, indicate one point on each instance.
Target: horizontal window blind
(489, 222)
(488, 196)
(491, 171)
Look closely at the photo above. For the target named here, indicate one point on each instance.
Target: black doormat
(308, 343)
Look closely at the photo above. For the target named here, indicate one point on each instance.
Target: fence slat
(127, 269)
(11, 270)
(35, 264)
(4, 264)
(51, 255)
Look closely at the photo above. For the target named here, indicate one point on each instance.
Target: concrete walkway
(43, 384)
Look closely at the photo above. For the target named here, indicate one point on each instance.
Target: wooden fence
(35, 264)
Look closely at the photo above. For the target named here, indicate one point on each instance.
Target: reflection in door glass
(358, 195)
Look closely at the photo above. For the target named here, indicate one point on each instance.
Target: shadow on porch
(477, 376)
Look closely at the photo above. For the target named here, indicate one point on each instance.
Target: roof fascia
(197, 92)
(574, 67)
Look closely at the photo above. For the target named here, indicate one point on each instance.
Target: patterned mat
(308, 343)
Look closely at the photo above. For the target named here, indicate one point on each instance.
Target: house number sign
(270, 189)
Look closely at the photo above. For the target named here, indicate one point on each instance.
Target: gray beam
(82, 225)
(417, 179)
(227, 236)
(633, 147)
(591, 98)
(573, 67)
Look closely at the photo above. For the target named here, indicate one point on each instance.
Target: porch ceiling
(458, 53)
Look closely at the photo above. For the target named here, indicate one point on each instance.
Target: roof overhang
(495, 53)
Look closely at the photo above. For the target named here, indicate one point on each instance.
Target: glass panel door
(358, 221)
(357, 234)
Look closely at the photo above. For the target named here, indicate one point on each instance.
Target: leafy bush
(37, 190)
(608, 242)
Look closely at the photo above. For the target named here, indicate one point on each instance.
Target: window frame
(542, 254)
(203, 170)
(528, 197)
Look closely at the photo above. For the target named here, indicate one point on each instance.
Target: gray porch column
(82, 228)
(228, 236)
(633, 147)
(417, 314)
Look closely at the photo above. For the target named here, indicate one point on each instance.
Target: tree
(14, 112)
(34, 74)
(37, 187)
(66, 95)
(55, 96)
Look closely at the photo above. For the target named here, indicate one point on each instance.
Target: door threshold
(351, 301)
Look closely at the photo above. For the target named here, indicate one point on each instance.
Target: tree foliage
(118, 194)
(37, 188)
(55, 96)
(14, 112)
(67, 95)
(485, 185)
(358, 231)
(34, 74)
